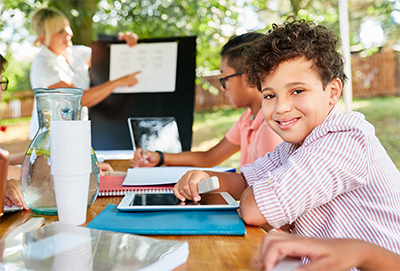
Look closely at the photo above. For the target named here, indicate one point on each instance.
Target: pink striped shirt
(340, 183)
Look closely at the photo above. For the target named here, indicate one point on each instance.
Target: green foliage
(165, 18)
(384, 114)
(212, 21)
(17, 73)
(209, 127)
(325, 12)
(10, 12)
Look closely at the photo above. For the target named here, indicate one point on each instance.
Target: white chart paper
(156, 61)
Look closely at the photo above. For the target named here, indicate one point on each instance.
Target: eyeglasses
(4, 84)
(222, 79)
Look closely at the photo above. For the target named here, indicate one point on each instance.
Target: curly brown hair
(295, 39)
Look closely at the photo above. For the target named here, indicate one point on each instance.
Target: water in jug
(36, 180)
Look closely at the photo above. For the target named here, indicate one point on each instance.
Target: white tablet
(151, 201)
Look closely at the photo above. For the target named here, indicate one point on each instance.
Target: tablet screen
(170, 199)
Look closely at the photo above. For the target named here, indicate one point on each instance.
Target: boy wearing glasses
(13, 191)
(250, 134)
(4, 83)
(15, 159)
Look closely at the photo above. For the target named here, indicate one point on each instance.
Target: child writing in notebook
(330, 177)
(250, 134)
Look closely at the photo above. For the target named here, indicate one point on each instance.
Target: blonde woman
(61, 64)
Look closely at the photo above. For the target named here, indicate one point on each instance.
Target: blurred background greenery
(372, 24)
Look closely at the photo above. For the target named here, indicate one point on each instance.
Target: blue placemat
(169, 222)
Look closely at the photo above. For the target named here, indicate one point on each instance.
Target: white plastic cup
(72, 124)
(65, 166)
(71, 197)
(70, 148)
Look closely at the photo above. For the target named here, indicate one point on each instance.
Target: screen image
(160, 134)
(170, 199)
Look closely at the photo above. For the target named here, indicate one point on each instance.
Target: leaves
(212, 21)
(165, 18)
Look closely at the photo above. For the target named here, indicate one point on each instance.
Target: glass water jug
(36, 180)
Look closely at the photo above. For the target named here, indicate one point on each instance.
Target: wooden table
(205, 252)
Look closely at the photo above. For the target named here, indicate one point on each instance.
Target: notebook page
(161, 175)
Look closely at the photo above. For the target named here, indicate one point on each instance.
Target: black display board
(109, 118)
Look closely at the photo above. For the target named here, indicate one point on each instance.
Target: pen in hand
(143, 147)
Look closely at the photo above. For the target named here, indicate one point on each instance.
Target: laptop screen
(158, 133)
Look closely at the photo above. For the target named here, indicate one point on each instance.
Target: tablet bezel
(124, 204)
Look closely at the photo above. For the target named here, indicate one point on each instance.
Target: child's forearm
(16, 159)
(190, 159)
(377, 258)
(231, 182)
(14, 172)
(250, 212)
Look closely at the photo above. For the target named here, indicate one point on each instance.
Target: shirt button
(269, 181)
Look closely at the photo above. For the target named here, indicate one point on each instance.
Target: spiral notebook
(112, 186)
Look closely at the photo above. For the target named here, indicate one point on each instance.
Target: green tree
(212, 21)
(326, 13)
(208, 20)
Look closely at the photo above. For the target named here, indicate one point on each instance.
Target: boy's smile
(294, 101)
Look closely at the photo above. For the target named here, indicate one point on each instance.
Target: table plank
(206, 252)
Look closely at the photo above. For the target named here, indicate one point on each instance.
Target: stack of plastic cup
(70, 152)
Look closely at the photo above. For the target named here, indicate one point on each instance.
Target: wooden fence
(204, 100)
(376, 75)
(19, 105)
(372, 76)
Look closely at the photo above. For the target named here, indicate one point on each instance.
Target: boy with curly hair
(331, 177)
(250, 134)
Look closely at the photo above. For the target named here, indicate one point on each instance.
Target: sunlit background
(374, 43)
(373, 24)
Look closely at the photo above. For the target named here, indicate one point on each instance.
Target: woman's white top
(49, 69)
